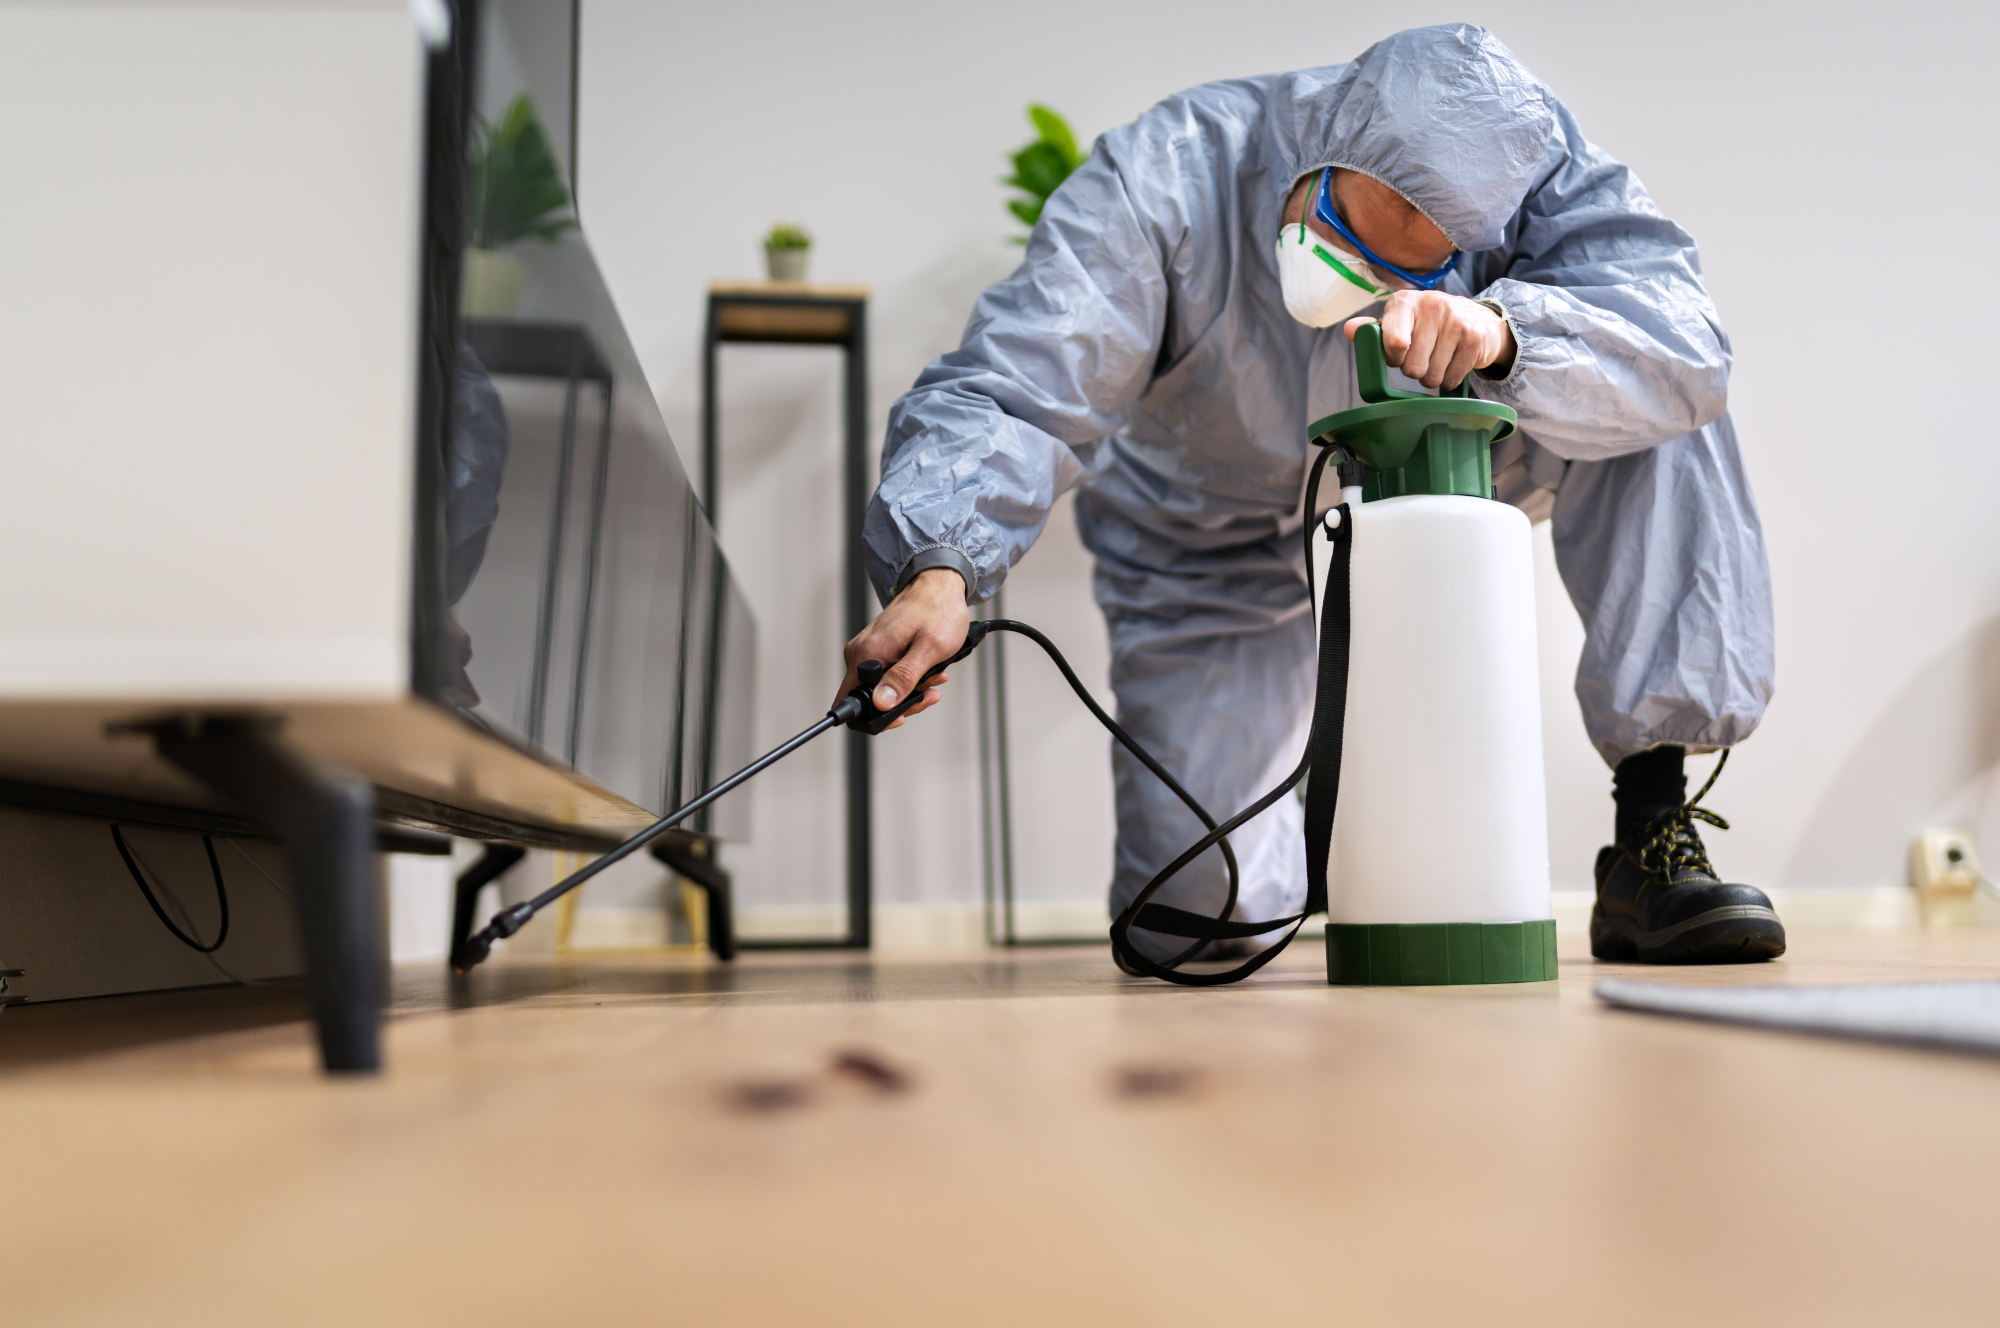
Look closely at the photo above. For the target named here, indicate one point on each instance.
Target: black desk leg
(491, 864)
(709, 877)
(326, 819)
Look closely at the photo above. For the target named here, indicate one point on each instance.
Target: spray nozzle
(502, 924)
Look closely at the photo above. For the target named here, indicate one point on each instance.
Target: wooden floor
(1025, 1138)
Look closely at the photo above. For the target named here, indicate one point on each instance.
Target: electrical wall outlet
(1944, 871)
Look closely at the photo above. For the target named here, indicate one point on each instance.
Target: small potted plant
(514, 190)
(786, 249)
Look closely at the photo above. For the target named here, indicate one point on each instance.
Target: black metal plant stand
(784, 314)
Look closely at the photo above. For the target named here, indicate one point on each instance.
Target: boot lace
(1672, 845)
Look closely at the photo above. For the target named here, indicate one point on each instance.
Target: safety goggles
(1323, 209)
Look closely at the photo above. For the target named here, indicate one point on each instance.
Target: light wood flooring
(1008, 1138)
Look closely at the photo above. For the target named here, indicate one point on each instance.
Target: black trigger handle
(870, 720)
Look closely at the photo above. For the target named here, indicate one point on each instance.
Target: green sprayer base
(1443, 954)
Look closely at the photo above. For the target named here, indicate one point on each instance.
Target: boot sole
(1734, 934)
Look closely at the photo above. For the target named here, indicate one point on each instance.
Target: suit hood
(1446, 116)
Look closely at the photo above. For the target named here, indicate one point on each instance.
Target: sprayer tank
(1443, 815)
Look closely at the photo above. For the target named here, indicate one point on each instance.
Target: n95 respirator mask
(1323, 283)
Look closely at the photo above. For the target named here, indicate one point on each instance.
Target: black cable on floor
(221, 894)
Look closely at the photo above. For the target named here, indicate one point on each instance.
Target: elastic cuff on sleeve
(937, 555)
(1488, 375)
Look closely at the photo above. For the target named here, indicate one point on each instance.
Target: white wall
(78, 925)
(1835, 164)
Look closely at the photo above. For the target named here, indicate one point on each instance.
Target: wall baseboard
(927, 927)
(958, 928)
(962, 926)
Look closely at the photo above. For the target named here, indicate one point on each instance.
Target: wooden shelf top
(805, 289)
(796, 311)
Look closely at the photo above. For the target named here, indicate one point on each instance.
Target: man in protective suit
(1164, 344)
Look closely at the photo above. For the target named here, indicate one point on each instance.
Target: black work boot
(1658, 899)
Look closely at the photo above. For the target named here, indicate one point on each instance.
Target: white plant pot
(786, 264)
(491, 285)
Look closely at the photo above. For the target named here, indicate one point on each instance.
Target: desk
(268, 567)
(802, 314)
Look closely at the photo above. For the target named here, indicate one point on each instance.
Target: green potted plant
(514, 191)
(786, 249)
(1041, 166)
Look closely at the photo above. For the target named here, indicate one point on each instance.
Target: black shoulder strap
(1329, 726)
(1322, 759)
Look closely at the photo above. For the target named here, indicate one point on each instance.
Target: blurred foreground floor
(1025, 1138)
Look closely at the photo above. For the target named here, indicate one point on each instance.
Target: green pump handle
(1371, 371)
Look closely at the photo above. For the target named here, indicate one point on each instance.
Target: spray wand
(856, 710)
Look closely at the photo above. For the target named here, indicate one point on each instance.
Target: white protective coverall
(1142, 351)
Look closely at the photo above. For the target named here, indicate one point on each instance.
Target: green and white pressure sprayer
(1439, 866)
(1426, 730)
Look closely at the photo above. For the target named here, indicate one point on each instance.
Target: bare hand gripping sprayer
(1439, 872)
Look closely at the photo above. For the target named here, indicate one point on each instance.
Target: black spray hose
(1146, 758)
(857, 710)
(1121, 926)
